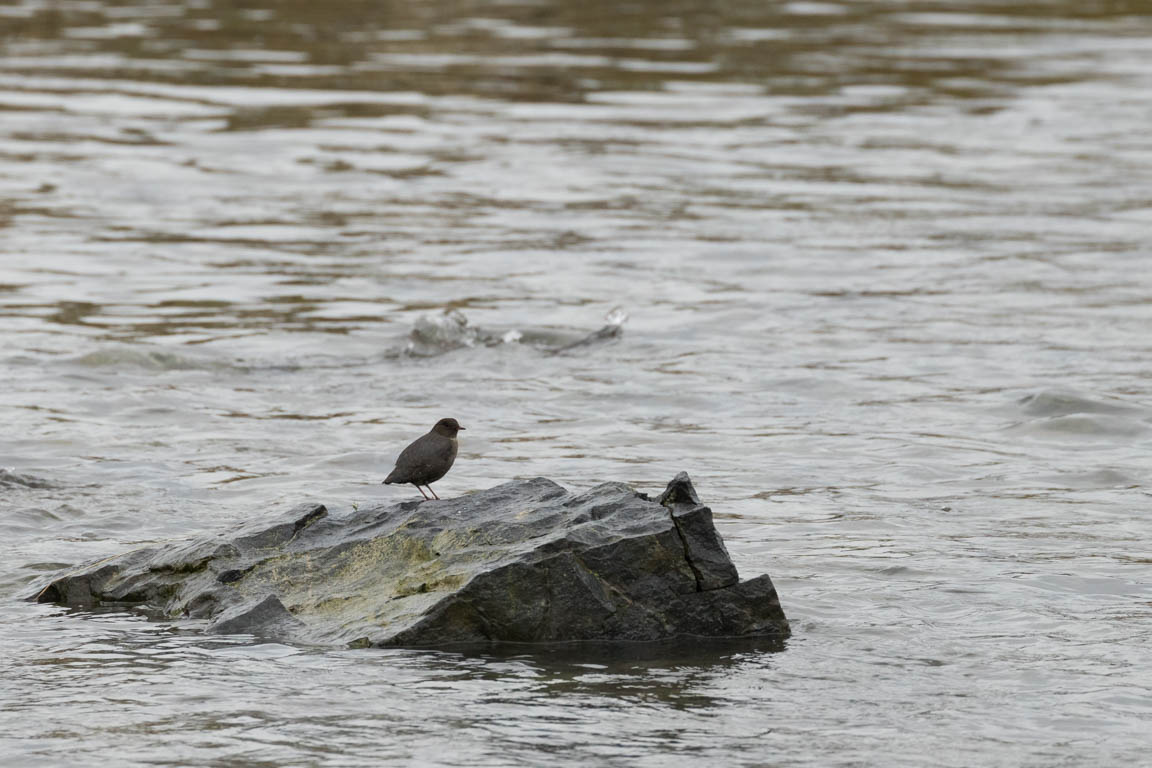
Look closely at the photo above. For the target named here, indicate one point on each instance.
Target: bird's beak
(460, 427)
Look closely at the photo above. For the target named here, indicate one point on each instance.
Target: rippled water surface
(878, 275)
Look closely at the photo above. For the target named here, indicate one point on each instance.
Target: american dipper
(428, 458)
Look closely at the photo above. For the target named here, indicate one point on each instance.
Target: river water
(876, 274)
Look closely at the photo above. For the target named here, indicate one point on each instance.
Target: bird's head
(447, 427)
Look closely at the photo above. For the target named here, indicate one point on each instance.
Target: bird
(427, 458)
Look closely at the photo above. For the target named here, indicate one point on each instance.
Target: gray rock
(526, 561)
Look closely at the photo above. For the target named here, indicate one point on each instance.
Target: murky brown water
(886, 273)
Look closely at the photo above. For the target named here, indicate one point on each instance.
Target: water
(885, 267)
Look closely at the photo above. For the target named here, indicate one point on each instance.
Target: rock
(450, 330)
(526, 561)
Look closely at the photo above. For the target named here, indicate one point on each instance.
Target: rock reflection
(671, 673)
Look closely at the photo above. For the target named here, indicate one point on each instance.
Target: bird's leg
(421, 492)
(433, 493)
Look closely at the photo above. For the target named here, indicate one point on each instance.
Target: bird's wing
(412, 455)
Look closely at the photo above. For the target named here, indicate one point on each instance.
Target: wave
(1063, 415)
(1060, 402)
(438, 334)
(1086, 426)
(1100, 478)
(143, 357)
(11, 479)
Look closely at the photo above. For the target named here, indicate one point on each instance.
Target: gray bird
(428, 458)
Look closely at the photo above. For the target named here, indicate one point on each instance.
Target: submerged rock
(450, 330)
(526, 561)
